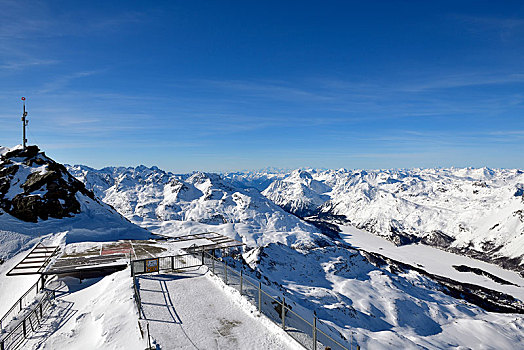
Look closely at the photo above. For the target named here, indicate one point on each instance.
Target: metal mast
(24, 124)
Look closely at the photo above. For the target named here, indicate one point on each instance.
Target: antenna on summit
(24, 124)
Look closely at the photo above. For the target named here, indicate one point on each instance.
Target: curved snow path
(192, 310)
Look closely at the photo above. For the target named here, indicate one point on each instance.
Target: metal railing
(165, 263)
(308, 331)
(299, 322)
(29, 323)
(22, 302)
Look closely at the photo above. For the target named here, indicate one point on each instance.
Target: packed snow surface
(193, 310)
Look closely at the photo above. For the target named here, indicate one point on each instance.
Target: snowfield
(378, 304)
(384, 308)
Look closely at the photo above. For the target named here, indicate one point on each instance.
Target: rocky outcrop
(33, 186)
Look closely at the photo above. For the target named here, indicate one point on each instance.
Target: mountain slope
(38, 197)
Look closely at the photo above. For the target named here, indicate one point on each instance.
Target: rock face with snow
(470, 211)
(33, 186)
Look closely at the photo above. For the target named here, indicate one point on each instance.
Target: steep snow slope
(384, 308)
(479, 212)
(38, 197)
(93, 314)
(171, 204)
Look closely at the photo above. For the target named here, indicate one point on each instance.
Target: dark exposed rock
(400, 238)
(29, 152)
(49, 191)
(438, 239)
(330, 230)
(520, 214)
(480, 272)
(324, 222)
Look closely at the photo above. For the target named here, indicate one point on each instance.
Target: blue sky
(232, 85)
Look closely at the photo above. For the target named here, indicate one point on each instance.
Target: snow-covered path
(192, 310)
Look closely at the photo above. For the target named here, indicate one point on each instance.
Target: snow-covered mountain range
(166, 203)
(351, 290)
(382, 300)
(478, 212)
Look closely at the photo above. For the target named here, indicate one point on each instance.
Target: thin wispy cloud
(505, 28)
(63, 81)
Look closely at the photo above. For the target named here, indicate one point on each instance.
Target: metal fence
(29, 323)
(306, 330)
(165, 263)
(26, 299)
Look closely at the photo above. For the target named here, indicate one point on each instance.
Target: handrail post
(283, 312)
(225, 269)
(241, 276)
(20, 302)
(172, 262)
(213, 261)
(315, 333)
(148, 337)
(24, 328)
(260, 297)
(202, 256)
